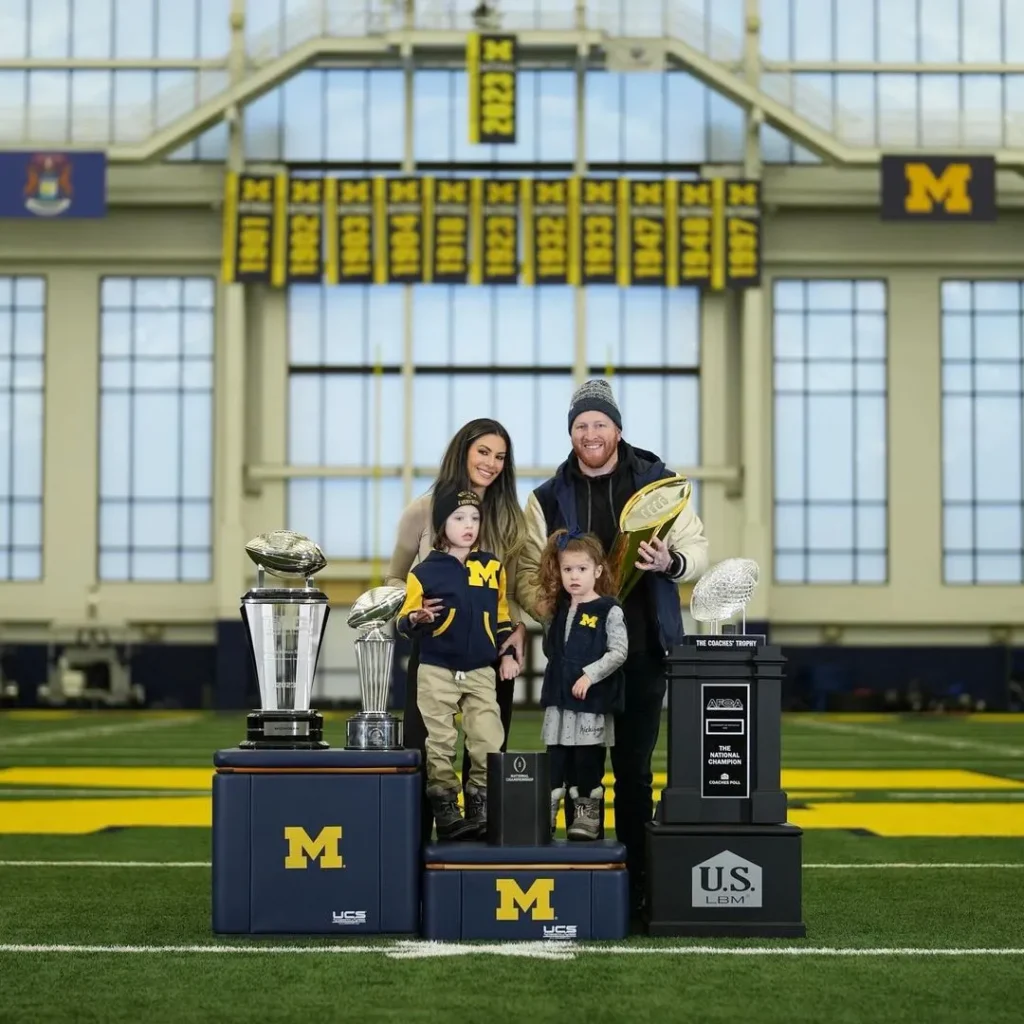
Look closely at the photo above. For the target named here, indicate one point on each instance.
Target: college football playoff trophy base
(721, 822)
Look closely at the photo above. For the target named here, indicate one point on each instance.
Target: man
(588, 492)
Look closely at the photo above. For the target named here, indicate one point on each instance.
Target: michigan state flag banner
(254, 213)
(491, 72)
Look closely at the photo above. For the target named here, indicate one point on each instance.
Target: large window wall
(156, 428)
(22, 353)
(983, 431)
(830, 415)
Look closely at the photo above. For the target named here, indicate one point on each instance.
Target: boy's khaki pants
(440, 694)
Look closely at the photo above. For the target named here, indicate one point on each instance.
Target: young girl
(455, 603)
(585, 646)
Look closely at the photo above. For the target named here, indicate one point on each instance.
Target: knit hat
(595, 396)
(447, 500)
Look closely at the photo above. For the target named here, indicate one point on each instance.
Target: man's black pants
(636, 736)
(415, 732)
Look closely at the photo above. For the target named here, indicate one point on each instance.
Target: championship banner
(491, 70)
(695, 215)
(644, 251)
(496, 223)
(351, 231)
(449, 249)
(304, 226)
(254, 207)
(938, 188)
(598, 230)
(551, 237)
(742, 215)
(402, 206)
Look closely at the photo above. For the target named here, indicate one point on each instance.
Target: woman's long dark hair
(502, 525)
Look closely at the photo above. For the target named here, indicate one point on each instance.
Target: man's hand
(580, 687)
(508, 668)
(428, 613)
(654, 555)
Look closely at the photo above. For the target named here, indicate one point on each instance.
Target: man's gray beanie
(595, 396)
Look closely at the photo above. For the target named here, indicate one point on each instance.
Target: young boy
(455, 605)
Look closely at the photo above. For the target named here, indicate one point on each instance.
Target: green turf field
(913, 884)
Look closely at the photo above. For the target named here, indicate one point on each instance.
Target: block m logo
(513, 901)
(950, 189)
(588, 620)
(323, 848)
(483, 574)
(934, 188)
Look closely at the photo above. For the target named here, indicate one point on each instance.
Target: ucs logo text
(726, 881)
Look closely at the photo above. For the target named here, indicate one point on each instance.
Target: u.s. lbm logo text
(536, 900)
(726, 880)
(323, 849)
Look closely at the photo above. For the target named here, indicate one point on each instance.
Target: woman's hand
(580, 687)
(432, 607)
(517, 641)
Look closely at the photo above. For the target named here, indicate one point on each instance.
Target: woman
(478, 458)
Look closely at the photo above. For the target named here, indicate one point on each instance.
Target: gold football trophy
(649, 513)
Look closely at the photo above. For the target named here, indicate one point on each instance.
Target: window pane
(22, 343)
(156, 428)
(982, 432)
(830, 462)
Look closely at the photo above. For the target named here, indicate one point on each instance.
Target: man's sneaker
(556, 802)
(586, 815)
(447, 816)
(476, 810)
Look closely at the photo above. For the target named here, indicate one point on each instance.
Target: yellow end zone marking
(907, 819)
(794, 780)
(80, 817)
(37, 715)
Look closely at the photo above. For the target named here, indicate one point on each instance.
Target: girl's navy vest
(588, 641)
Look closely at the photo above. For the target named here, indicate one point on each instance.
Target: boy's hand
(580, 687)
(508, 668)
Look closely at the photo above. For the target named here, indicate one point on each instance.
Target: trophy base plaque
(369, 730)
(284, 730)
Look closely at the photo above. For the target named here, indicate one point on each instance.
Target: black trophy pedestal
(518, 799)
(721, 858)
(284, 730)
(724, 881)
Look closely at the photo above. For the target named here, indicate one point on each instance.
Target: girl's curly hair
(549, 573)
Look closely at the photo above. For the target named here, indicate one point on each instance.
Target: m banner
(450, 211)
(570, 231)
(938, 188)
(254, 209)
(496, 206)
(491, 71)
(550, 249)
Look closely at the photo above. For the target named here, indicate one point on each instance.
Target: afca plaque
(725, 739)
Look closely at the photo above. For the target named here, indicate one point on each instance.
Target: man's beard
(595, 458)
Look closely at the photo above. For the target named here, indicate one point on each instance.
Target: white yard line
(888, 866)
(922, 738)
(415, 949)
(32, 739)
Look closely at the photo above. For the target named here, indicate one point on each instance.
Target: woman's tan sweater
(413, 545)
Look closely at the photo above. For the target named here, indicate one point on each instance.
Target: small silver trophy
(286, 629)
(724, 590)
(373, 727)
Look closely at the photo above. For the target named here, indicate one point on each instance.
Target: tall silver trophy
(725, 589)
(286, 629)
(373, 727)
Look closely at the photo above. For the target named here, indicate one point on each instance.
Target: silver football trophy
(724, 590)
(286, 629)
(373, 727)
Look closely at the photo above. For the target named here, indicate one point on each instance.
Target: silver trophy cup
(725, 589)
(373, 727)
(286, 627)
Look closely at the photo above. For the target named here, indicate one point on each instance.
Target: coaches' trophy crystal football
(286, 628)
(373, 727)
(649, 513)
(725, 589)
